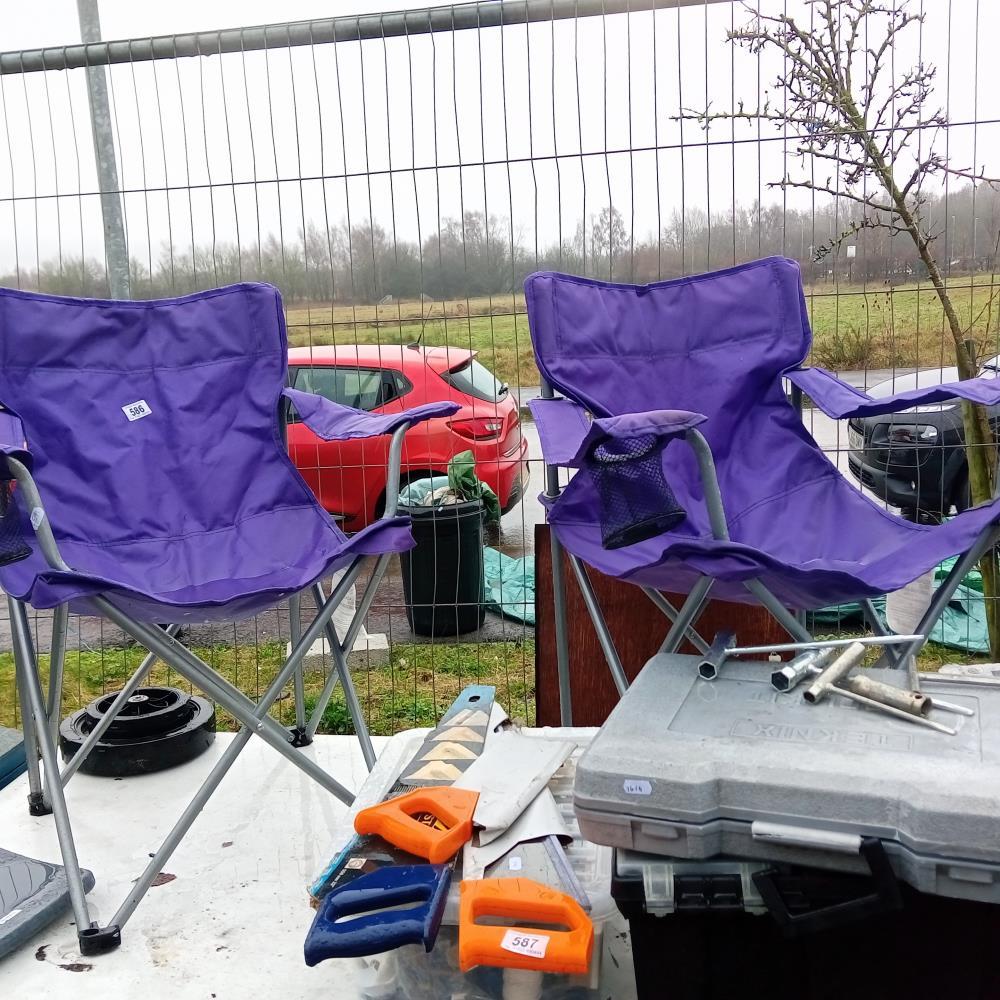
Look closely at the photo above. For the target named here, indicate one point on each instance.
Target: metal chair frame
(41, 715)
(683, 620)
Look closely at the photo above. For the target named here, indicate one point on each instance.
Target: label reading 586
(137, 410)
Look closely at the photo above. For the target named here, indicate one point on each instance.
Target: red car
(349, 476)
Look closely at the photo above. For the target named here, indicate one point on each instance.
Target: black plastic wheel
(159, 727)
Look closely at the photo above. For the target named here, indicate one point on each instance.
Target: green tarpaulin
(962, 626)
(510, 585)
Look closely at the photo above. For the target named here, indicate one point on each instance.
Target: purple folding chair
(694, 473)
(146, 442)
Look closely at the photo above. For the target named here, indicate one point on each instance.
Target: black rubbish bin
(443, 574)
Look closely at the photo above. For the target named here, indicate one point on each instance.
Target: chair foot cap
(37, 806)
(96, 940)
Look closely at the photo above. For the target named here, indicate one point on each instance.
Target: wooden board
(638, 629)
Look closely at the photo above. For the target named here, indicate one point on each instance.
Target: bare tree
(867, 136)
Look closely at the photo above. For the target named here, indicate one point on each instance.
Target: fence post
(115, 247)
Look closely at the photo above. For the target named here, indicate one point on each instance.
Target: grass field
(411, 690)
(853, 326)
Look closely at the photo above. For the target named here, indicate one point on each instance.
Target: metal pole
(670, 612)
(600, 625)
(295, 634)
(560, 625)
(115, 247)
(794, 647)
(113, 709)
(350, 28)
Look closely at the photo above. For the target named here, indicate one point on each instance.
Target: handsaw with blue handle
(370, 875)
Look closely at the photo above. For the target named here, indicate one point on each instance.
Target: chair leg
(688, 615)
(670, 613)
(298, 680)
(600, 625)
(24, 664)
(179, 830)
(561, 632)
(988, 537)
(785, 618)
(339, 658)
(251, 724)
(114, 708)
(53, 787)
(57, 666)
(346, 645)
(889, 657)
(218, 689)
(353, 705)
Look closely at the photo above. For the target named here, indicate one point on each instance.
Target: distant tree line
(478, 255)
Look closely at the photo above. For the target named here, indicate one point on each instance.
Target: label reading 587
(532, 945)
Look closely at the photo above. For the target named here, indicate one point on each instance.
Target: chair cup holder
(635, 501)
(13, 546)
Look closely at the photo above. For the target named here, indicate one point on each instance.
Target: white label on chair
(522, 943)
(634, 786)
(37, 516)
(137, 410)
(514, 864)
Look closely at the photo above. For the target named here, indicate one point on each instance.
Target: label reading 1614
(637, 786)
(532, 945)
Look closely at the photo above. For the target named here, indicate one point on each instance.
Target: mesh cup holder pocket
(636, 502)
(12, 544)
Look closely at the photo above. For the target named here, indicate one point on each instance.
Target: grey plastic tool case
(692, 769)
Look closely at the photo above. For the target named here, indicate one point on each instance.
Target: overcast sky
(551, 123)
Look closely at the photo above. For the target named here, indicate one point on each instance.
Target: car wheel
(960, 494)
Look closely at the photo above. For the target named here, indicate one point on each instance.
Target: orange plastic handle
(522, 947)
(394, 820)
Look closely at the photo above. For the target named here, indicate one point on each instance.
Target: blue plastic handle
(354, 920)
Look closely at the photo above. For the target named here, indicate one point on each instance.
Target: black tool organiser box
(703, 931)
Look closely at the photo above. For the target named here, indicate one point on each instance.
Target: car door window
(362, 388)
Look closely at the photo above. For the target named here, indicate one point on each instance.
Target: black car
(915, 459)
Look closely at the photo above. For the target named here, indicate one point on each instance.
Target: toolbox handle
(776, 888)
(395, 821)
(379, 929)
(522, 946)
(786, 835)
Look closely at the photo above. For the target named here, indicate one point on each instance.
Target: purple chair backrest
(704, 343)
(714, 344)
(150, 419)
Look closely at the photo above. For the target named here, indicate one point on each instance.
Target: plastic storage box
(410, 973)
(700, 930)
(694, 769)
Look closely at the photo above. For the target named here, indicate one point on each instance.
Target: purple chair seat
(217, 576)
(817, 564)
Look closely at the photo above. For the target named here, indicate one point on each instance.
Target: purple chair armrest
(567, 435)
(839, 400)
(334, 422)
(12, 442)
